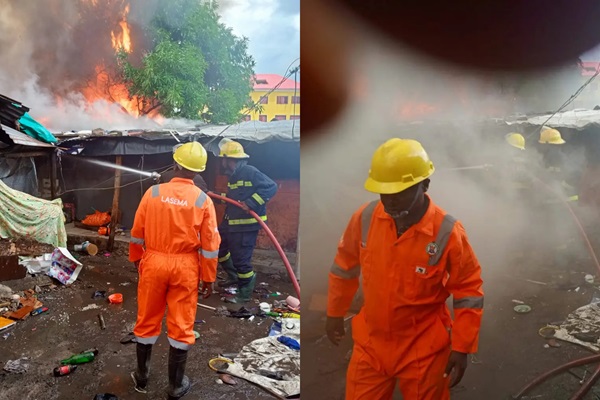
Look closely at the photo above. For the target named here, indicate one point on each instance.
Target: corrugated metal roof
(11, 111)
(20, 138)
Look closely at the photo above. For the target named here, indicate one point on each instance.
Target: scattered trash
(251, 319)
(19, 366)
(115, 298)
(228, 379)
(37, 289)
(518, 302)
(5, 292)
(201, 321)
(289, 342)
(241, 313)
(546, 346)
(547, 332)
(125, 284)
(21, 314)
(102, 323)
(208, 307)
(106, 396)
(277, 375)
(522, 309)
(263, 284)
(6, 323)
(589, 278)
(196, 334)
(275, 329)
(129, 338)
(82, 358)
(92, 306)
(474, 359)
(219, 382)
(37, 265)
(577, 289)
(65, 268)
(38, 311)
(87, 247)
(265, 307)
(99, 294)
(553, 343)
(230, 290)
(293, 302)
(64, 370)
(6, 335)
(107, 254)
(586, 337)
(274, 294)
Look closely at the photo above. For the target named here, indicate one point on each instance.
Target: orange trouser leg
(182, 299)
(364, 381)
(152, 298)
(423, 379)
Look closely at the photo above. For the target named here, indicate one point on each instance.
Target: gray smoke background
(335, 164)
(50, 50)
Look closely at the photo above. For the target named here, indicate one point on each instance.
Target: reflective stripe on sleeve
(351, 273)
(469, 302)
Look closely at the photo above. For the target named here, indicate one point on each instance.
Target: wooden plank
(115, 206)
(53, 174)
(28, 154)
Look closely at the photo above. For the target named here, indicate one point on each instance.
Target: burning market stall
(89, 186)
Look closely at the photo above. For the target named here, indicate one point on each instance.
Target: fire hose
(271, 236)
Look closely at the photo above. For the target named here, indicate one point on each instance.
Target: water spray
(150, 174)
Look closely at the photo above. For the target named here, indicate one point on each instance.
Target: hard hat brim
(374, 186)
(243, 155)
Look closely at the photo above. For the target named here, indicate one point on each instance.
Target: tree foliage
(197, 69)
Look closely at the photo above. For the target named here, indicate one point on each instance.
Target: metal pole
(53, 174)
(115, 206)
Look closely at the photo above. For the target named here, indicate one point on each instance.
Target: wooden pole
(115, 206)
(53, 174)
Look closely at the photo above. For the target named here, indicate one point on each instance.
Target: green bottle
(79, 359)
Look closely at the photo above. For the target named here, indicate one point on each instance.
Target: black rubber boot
(179, 384)
(229, 269)
(140, 377)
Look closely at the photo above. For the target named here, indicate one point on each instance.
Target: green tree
(197, 69)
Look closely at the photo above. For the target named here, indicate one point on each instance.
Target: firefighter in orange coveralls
(412, 256)
(175, 245)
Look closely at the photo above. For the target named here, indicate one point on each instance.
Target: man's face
(228, 165)
(395, 204)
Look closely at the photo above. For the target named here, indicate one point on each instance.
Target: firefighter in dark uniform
(239, 230)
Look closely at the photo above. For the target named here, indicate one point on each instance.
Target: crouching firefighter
(174, 245)
(239, 230)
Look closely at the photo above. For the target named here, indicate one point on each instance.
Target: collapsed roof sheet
(11, 136)
(574, 119)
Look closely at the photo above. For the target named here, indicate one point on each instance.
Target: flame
(122, 40)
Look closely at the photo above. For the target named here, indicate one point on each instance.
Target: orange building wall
(283, 212)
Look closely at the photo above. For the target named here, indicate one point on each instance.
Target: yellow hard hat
(232, 149)
(516, 140)
(551, 136)
(397, 165)
(191, 156)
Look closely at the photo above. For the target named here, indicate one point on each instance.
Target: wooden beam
(115, 205)
(53, 174)
(28, 154)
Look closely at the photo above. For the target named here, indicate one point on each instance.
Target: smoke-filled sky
(273, 27)
(53, 64)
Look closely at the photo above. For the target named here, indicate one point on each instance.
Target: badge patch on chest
(432, 248)
(421, 270)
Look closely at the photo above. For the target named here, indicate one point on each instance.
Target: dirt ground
(67, 329)
(512, 352)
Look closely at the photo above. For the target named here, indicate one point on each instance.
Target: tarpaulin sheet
(574, 119)
(268, 354)
(36, 130)
(26, 216)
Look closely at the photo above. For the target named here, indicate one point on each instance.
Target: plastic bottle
(79, 359)
(38, 311)
(64, 370)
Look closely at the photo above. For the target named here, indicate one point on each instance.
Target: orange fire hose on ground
(271, 236)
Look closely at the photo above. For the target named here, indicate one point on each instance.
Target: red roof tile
(269, 81)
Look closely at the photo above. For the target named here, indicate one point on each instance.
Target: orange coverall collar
(182, 180)
(425, 225)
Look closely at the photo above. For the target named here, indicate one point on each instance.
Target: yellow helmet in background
(516, 140)
(397, 165)
(551, 136)
(191, 156)
(231, 149)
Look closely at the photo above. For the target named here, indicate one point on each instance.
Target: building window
(294, 117)
(279, 117)
(282, 99)
(246, 118)
(262, 118)
(295, 99)
(264, 100)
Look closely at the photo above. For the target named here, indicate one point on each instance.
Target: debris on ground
(582, 327)
(19, 366)
(65, 268)
(106, 396)
(228, 379)
(92, 306)
(99, 294)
